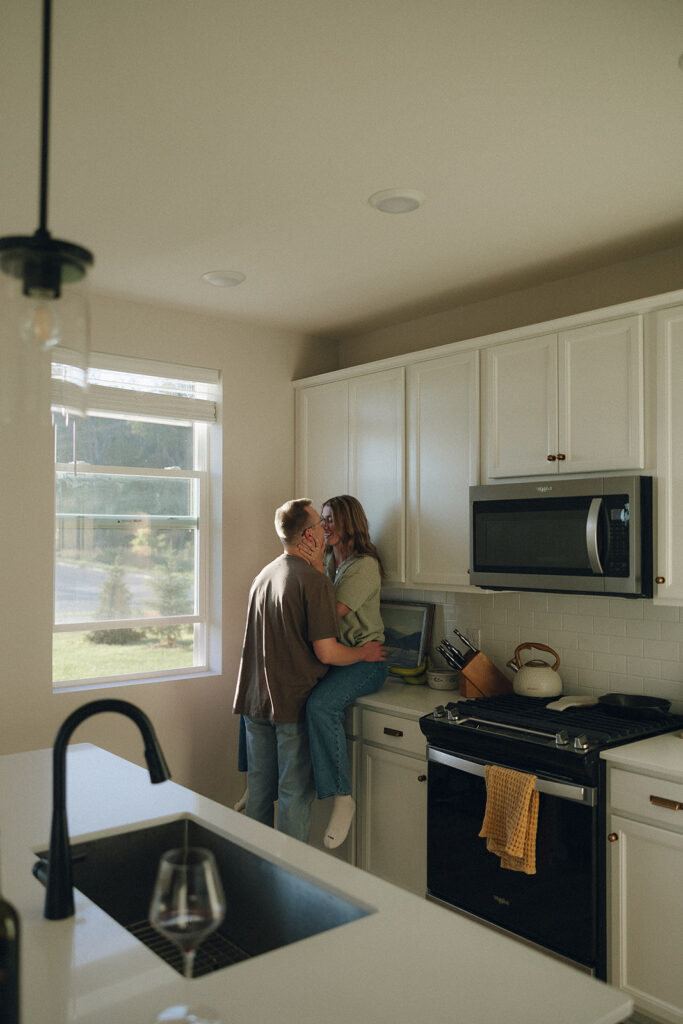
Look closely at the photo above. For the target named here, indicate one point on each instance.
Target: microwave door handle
(592, 536)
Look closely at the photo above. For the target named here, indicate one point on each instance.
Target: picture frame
(407, 632)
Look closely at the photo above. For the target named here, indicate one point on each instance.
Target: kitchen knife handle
(461, 636)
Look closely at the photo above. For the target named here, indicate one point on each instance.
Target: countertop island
(406, 961)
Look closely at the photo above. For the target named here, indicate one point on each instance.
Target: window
(131, 590)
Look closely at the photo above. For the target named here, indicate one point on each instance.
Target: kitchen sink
(267, 905)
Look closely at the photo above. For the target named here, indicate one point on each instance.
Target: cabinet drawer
(646, 797)
(402, 734)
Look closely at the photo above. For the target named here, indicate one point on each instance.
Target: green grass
(75, 657)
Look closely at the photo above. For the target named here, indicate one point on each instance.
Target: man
(290, 638)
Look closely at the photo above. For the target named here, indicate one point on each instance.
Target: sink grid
(214, 953)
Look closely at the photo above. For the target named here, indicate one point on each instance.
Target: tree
(116, 603)
(171, 587)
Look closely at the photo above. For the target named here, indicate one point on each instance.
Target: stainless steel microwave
(591, 535)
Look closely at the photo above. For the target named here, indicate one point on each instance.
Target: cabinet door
(647, 916)
(322, 447)
(393, 822)
(601, 397)
(376, 461)
(669, 555)
(520, 412)
(443, 462)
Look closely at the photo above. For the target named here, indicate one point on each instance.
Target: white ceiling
(198, 135)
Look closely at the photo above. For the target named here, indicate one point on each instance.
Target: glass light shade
(44, 349)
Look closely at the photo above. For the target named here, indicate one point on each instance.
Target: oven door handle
(562, 790)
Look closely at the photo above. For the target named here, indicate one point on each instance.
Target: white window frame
(202, 410)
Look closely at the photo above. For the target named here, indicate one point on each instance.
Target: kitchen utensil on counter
(535, 678)
(634, 705)
(451, 655)
(442, 679)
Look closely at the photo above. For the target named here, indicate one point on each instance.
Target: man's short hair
(292, 518)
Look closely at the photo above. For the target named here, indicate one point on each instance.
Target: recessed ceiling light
(223, 278)
(397, 200)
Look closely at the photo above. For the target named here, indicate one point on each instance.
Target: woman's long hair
(351, 524)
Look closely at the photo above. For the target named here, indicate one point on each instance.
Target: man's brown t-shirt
(290, 605)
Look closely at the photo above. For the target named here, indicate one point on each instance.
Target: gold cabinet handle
(561, 457)
(671, 805)
(660, 579)
(613, 837)
(392, 732)
(552, 458)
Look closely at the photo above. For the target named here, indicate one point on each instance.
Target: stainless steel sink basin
(267, 906)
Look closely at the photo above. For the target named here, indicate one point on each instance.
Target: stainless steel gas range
(561, 908)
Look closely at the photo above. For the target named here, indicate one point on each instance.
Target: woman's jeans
(325, 717)
(279, 769)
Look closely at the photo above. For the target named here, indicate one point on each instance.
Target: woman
(353, 564)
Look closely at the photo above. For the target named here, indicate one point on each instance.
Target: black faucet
(57, 874)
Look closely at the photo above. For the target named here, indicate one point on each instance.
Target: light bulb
(42, 327)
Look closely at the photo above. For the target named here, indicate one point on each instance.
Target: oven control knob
(439, 711)
(561, 738)
(453, 714)
(581, 743)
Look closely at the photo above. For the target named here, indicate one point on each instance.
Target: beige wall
(655, 274)
(192, 717)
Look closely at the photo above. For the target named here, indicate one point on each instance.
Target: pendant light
(45, 317)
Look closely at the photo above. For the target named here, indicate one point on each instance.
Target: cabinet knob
(660, 579)
(422, 778)
(561, 457)
(552, 458)
(613, 837)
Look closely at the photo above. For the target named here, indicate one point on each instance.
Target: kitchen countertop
(407, 700)
(410, 960)
(661, 756)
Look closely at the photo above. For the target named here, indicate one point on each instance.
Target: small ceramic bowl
(442, 679)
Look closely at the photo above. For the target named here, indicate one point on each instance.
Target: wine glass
(188, 901)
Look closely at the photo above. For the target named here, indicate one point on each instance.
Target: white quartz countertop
(659, 755)
(408, 961)
(408, 700)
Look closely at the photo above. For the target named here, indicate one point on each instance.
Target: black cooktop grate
(531, 712)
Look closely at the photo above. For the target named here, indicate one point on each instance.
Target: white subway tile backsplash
(661, 612)
(609, 662)
(578, 623)
(626, 645)
(671, 631)
(604, 644)
(547, 620)
(662, 650)
(609, 627)
(646, 629)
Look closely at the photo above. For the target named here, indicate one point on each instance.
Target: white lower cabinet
(645, 867)
(392, 800)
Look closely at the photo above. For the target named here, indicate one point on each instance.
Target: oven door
(557, 908)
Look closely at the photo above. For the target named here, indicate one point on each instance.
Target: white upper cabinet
(377, 461)
(349, 440)
(669, 553)
(570, 402)
(443, 462)
(322, 441)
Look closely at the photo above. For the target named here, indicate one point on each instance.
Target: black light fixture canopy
(44, 263)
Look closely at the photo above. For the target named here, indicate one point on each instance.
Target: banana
(411, 673)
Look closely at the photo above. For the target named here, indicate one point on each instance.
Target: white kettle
(535, 678)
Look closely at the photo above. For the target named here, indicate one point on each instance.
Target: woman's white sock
(343, 810)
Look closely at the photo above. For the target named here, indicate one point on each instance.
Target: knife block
(479, 677)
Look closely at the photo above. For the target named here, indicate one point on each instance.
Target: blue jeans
(279, 769)
(325, 717)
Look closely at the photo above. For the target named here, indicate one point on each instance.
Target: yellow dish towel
(511, 818)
